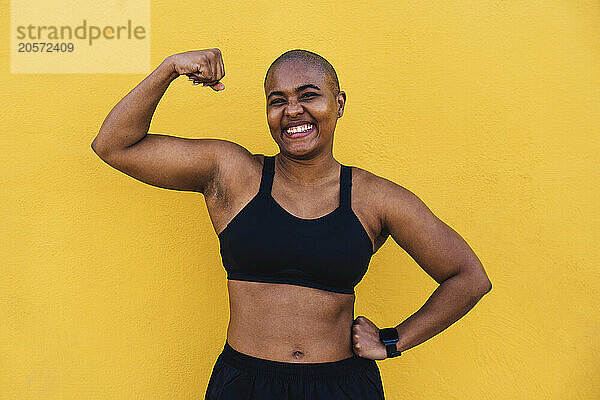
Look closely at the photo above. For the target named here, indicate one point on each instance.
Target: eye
(310, 93)
(273, 102)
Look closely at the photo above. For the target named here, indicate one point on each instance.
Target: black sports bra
(265, 243)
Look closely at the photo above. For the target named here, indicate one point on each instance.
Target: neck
(313, 172)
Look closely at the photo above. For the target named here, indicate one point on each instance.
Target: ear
(341, 102)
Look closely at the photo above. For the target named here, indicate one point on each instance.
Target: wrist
(390, 338)
(399, 344)
(168, 68)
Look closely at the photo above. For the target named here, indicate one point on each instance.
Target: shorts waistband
(255, 365)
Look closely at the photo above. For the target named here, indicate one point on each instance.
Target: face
(299, 95)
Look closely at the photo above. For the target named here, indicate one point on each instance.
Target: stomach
(289, 323)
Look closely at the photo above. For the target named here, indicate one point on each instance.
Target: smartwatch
(389, 337)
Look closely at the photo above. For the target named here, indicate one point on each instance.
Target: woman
(296, 231)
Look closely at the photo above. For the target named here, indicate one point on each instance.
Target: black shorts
(238, 376)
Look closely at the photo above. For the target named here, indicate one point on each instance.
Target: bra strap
(268, 171)
(345, 186)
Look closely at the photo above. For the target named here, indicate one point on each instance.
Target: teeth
(297, 129)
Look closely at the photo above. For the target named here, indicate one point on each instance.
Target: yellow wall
(489, 111)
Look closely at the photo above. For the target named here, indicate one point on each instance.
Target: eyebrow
(298, 89)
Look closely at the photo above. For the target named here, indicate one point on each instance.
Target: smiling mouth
(300, 131)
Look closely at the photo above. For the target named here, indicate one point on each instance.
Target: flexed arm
(162, 160)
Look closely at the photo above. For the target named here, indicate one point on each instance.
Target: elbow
(96, 149)
(487, 287)
(94, 144)
(476, 283)
(478, 279)
(483, 286)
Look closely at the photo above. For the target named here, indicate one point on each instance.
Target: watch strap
(389, 337)
(392, 351)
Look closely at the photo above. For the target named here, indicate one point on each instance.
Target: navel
(297, 354)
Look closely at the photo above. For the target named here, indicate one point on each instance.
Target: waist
(260, 366)
(289, 323)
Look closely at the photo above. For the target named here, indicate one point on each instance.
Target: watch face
(388, 335)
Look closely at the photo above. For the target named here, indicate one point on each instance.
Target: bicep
(172, 162)
(436, 247)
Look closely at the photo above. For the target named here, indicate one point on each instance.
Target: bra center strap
(345, 186)
(268, 171)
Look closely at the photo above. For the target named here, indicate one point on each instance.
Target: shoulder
(436, 247)
(391, 201)
(378, 186)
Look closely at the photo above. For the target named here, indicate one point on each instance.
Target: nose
(293, 109)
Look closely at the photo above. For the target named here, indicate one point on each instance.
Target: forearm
(128, 122)
(448, 303)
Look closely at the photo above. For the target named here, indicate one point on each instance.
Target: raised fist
(201, 66)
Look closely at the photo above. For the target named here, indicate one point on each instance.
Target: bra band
(268, 172)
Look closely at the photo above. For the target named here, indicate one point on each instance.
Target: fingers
(218, 74)
(193, 78)
(209, 70)
(221, 67)
(218, 86)
(215, 85)
(196, 77)
(218, 69)
(213, 64)
(203, 72)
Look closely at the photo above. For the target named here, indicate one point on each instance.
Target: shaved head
(312, 59)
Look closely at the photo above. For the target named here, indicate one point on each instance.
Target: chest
(264, 241)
